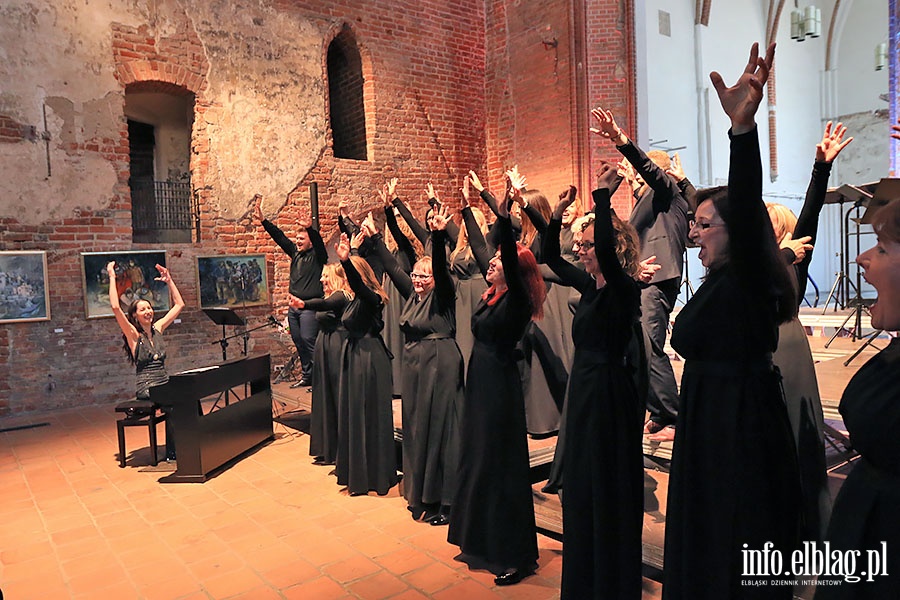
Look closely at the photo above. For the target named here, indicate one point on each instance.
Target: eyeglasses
(576, 246)
(419, 275)
(704, 226)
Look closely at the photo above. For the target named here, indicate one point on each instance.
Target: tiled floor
(75, 525)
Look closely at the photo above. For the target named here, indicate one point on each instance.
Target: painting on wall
(232, 280)
(135, 280)
(23, 287)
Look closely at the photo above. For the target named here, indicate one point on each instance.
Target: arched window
(345, 94)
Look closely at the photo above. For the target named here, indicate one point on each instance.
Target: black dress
(603, 467)
(865, 510)
(734, 477)
(323, 422)
(366, 459)
(431, 385)
(493, 512)
(798, 371)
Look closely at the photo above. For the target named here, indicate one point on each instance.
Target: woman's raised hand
(517, 182)
(164, 274)
(111, 269)
(566, 198)
(476, 183)
(675, 170)
(832, 143)
(440, 218)
(607, 127)
(741, 100)
(342, 247)
(466, 182)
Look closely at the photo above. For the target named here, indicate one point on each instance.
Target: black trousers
(657, 301)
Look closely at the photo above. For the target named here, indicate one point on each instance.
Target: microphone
(273, 321)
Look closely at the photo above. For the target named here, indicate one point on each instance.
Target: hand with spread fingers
(832, 143)
(741, 101)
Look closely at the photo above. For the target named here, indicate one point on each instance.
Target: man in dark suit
(661, 218)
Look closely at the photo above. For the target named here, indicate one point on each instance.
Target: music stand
(223, 317)
(859, 195)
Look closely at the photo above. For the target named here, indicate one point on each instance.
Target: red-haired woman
(493, 513)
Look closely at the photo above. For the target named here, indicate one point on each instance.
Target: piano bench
(139, 413)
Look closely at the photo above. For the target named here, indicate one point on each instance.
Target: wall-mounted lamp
(880, 56)
(806, 22)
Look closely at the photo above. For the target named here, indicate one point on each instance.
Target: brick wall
(446, 89)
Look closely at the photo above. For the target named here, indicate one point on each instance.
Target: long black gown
(366, 459)
(323, 421)
(603, 467)
(798, 371)
(734, 477)
(493, 511)
(865, 510)
(432, 383)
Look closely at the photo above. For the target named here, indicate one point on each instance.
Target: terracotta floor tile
(272, 526)
(321, 588)
(433, 577)
(470, 590)
(405, 560)
(290, 574)
(230, 583)
(379, 586)
(351, 569)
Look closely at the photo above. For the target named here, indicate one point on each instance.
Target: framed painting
(135, 280)
(23, 287)
(232, 280)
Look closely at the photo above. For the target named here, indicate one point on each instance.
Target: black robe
(603, 467)
(366, 459)
(734, 477)
(865, 510)
(432, 382)
(323, 421)
(798, 371)
(493, 511)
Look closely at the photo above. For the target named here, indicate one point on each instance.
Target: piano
(238, 399)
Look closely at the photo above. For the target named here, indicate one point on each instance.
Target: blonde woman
(323, 426)
(470, 285)
(365, 459)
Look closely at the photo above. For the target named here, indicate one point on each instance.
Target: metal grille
(157, 205)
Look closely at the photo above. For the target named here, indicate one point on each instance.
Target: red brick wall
(542, 57)
(448, 87)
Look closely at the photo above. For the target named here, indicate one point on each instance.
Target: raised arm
(444, 288)
(131, 334)
(177, 302)
(569, 274)
(752, 229)
(417, 228)
(318, 245)
(605, 242)
(480, 249)
(808, 222)
(403, 244)
(289, 247)
(354, 279)
(392, 267)
(664, 186)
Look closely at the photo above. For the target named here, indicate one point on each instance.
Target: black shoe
(511, 577)
(440, 519)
